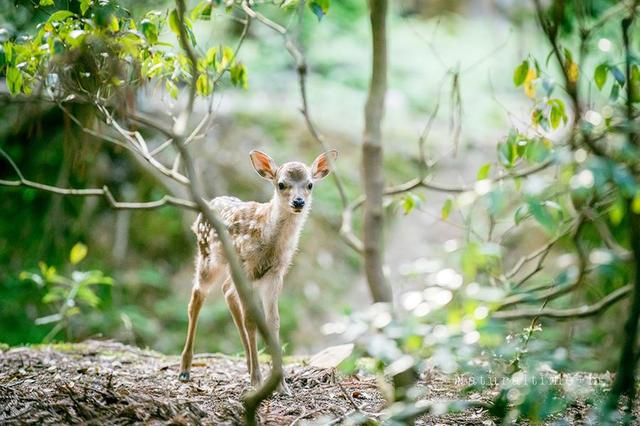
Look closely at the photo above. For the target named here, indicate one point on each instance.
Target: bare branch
(133, 145)
(565, 314)
(93, 192)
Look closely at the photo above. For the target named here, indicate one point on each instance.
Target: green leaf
(203, 85)
(87, 295)
(8, 51)
(542, 215)
(150, 31)
(114, 25)
(557, 113)
(174, 23)
(53, 296)
(567, 55)
(320, 8)
(508, 150)
(46, 3)
(84, 6)
(172, 89)
(538, 150)
(520, 73)
(635, 83)
(202, 10)
(615, 93)
(483, 172)
(239, 75)
(210, 57)
(14, 80)
(60, 15)
(617, 211)
(409, 202)
(555, 116)
(635, 204)
(78, 252)
(600, 75)
(446, 209)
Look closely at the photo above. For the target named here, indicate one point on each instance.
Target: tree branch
(92, 192)
(565, 314)
(240, 281)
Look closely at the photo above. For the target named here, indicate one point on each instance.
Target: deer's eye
(281, 186)
(310, 185)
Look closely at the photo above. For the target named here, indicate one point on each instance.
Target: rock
(332, 356)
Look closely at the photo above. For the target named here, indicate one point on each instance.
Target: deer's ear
(264, 165)
(321, 166)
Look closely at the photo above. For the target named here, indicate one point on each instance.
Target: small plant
(68, 295)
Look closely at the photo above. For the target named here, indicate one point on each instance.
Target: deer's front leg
(254, 363)
(269, 295)
(197, 299)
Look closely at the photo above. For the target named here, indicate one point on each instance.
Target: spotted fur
(265, 236)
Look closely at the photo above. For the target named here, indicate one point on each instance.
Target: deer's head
(293, 181)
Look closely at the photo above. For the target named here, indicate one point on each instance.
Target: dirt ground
(108, 383)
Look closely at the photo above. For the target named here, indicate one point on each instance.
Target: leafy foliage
(96, 52)
(68, 295)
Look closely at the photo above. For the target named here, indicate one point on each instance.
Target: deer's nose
(298, 203)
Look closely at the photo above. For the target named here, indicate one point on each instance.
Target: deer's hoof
(184, 376)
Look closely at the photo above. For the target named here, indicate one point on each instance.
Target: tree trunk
(372, 157)
(624, 383)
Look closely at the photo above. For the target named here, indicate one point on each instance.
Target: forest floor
(105, 382)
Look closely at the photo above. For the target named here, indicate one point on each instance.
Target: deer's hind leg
(208, 273)
(246, 329)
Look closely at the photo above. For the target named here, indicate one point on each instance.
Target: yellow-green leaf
(60, 15)
(446, 209)
(172, 89)
(114, 25)
(174, 23)
(600, 75)
(203, 85)
(520, 73)
(84, 6)
(483, 172)
(78, 252)
(635, 204)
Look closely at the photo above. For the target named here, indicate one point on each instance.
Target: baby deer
(265, 236)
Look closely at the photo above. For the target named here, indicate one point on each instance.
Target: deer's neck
(284, 225)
